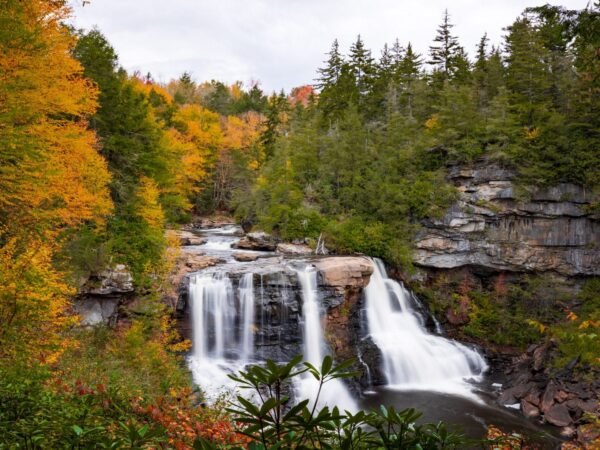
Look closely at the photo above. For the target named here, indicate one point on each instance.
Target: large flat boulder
(345, 271)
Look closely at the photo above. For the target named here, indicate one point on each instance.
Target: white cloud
(279, 42)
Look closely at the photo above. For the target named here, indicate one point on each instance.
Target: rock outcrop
(492, 227)
(100, 296)
(341, 282)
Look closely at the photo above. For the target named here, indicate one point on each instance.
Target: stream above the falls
(276, 307)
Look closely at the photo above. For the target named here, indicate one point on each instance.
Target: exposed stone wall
(491, 227)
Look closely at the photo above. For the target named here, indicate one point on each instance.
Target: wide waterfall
(413, 358)
(334, 392)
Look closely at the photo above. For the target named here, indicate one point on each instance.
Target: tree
(527, 72)
(52, 180)
(446, 56)
(362, 67)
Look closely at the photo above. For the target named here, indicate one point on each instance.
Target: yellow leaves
(51, 176)
(34, 301)
(148, 205)
(537, 325)
(200, 125)
(433, 123)
(589, 324)
(531, 133)
(571, 316)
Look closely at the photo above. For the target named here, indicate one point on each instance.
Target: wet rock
(529, 410)
(188, 238)
(259, 241)
(294, 249)
(511, 395)
(245, 256)
(558, 415)
(548, 397)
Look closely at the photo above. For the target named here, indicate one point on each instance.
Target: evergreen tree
(445, 55)
(362, 66)
(527, 76)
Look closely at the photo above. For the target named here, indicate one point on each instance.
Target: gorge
(281, 305)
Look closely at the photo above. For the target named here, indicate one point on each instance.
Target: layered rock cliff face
(492, 227)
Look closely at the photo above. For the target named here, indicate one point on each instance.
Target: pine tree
(444, 54)
(330, 74)
(362, 66)
(407, 73)
(527, 76)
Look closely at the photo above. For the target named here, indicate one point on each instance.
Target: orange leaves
(51, 176)
(33, 302)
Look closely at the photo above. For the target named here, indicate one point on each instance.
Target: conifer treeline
(366, 159)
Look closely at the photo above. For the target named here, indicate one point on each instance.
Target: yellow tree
(51, 177)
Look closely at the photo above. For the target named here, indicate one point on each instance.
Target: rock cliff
(493, 227)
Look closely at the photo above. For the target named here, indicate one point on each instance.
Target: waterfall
(247, 306)
(334, 392)
(412, 357)
(223, 332)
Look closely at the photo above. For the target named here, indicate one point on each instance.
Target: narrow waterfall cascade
(412, 357)
(334, 392)
(222, 330)
(247, 306)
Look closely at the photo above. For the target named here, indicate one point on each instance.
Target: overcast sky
(281, 43)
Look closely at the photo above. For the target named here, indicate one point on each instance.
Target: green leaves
(275, 423)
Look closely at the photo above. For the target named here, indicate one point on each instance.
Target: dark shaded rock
(371, 360)
(581, 406)
(533, 397)
(558, 415)
(548, 397)
(530, 411)
(511, 395)
(259, 241)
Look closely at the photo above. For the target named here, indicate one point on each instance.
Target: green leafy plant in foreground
(272, 421)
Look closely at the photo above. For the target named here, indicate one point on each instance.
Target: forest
(97, 165)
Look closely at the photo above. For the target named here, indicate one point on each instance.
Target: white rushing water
(412, 357)
(217, 350)
(334, 392)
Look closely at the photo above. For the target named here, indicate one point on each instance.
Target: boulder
(558, 415)
(548, 397)
(529, 410)
(345, 272)
(245, 256)
(294, 249)
(188, 238)
(259, 241)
